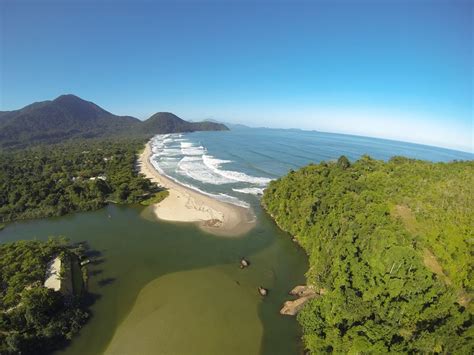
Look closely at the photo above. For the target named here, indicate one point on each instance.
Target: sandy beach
(186, 205)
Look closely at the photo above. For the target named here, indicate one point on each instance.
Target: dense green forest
(35, 319)
(70, 117)
(390, 243)
(80, 175)
(166, 122)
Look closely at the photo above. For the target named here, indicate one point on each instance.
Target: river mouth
(193, 276)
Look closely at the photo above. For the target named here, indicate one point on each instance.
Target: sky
(391, 69)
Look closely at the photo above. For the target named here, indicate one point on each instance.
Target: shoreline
(186, 205)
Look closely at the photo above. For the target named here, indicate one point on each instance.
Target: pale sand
(186, 205)
(53, 279)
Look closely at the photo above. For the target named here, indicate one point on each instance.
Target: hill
(389, 243)
(66, 117)
(70, 117)
(166, 122)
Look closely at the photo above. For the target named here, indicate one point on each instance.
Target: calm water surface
(169, 288)
(186, 284)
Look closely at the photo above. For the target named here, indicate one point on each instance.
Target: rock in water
(291, 308)
(244, 263)
(304, 294)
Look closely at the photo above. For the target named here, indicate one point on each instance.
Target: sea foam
(250, 190)
(214, 165)
(194, 167)
(173, 153)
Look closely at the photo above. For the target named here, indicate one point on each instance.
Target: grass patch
(2, 226)
(156, 198)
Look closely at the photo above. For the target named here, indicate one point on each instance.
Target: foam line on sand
(186, 205)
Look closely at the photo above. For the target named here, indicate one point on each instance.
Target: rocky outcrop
(303, 294)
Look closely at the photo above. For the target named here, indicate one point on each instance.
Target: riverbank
(186, 205)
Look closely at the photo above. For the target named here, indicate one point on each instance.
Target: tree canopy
(80, 175)
(34, 319)
(391, 244)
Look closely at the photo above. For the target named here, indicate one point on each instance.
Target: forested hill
(390, 243)
(166, 122)
(69, 117)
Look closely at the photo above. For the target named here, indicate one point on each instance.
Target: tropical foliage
(78, 176)
(33, 318)
(390, 243)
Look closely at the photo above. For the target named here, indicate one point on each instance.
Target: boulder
(244, 263)
(304, 294)
(262, 291)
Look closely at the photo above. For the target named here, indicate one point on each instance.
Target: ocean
(236, 165)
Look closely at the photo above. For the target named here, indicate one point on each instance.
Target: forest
(70, 117)
(35, 319)
(390, 244)
(80, 175)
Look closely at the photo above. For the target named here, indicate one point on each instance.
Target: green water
(167, 288)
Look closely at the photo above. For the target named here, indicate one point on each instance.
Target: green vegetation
(33, 318)
(157, 198)
(77, 176)
(69, 117)
(391, 245)
(166, 122)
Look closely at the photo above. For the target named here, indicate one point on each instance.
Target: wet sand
(186, 205)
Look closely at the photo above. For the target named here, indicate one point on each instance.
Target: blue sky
(394, 69)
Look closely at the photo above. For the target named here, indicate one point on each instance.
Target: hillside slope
(166, 122)
(390, 243)
(66, 117)
(69, 117)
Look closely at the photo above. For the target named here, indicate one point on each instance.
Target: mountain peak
(75, 100)
(79, 106)
(165, 116)
(66, 96)
(167, 122)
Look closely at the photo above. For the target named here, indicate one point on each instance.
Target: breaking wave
(174, 155)
(250, 190)
(214, 165)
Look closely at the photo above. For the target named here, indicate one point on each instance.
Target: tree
(366, 227)
(343, 162)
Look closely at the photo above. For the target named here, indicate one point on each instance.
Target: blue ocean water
(236, 165)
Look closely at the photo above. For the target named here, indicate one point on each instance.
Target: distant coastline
(186, 205)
